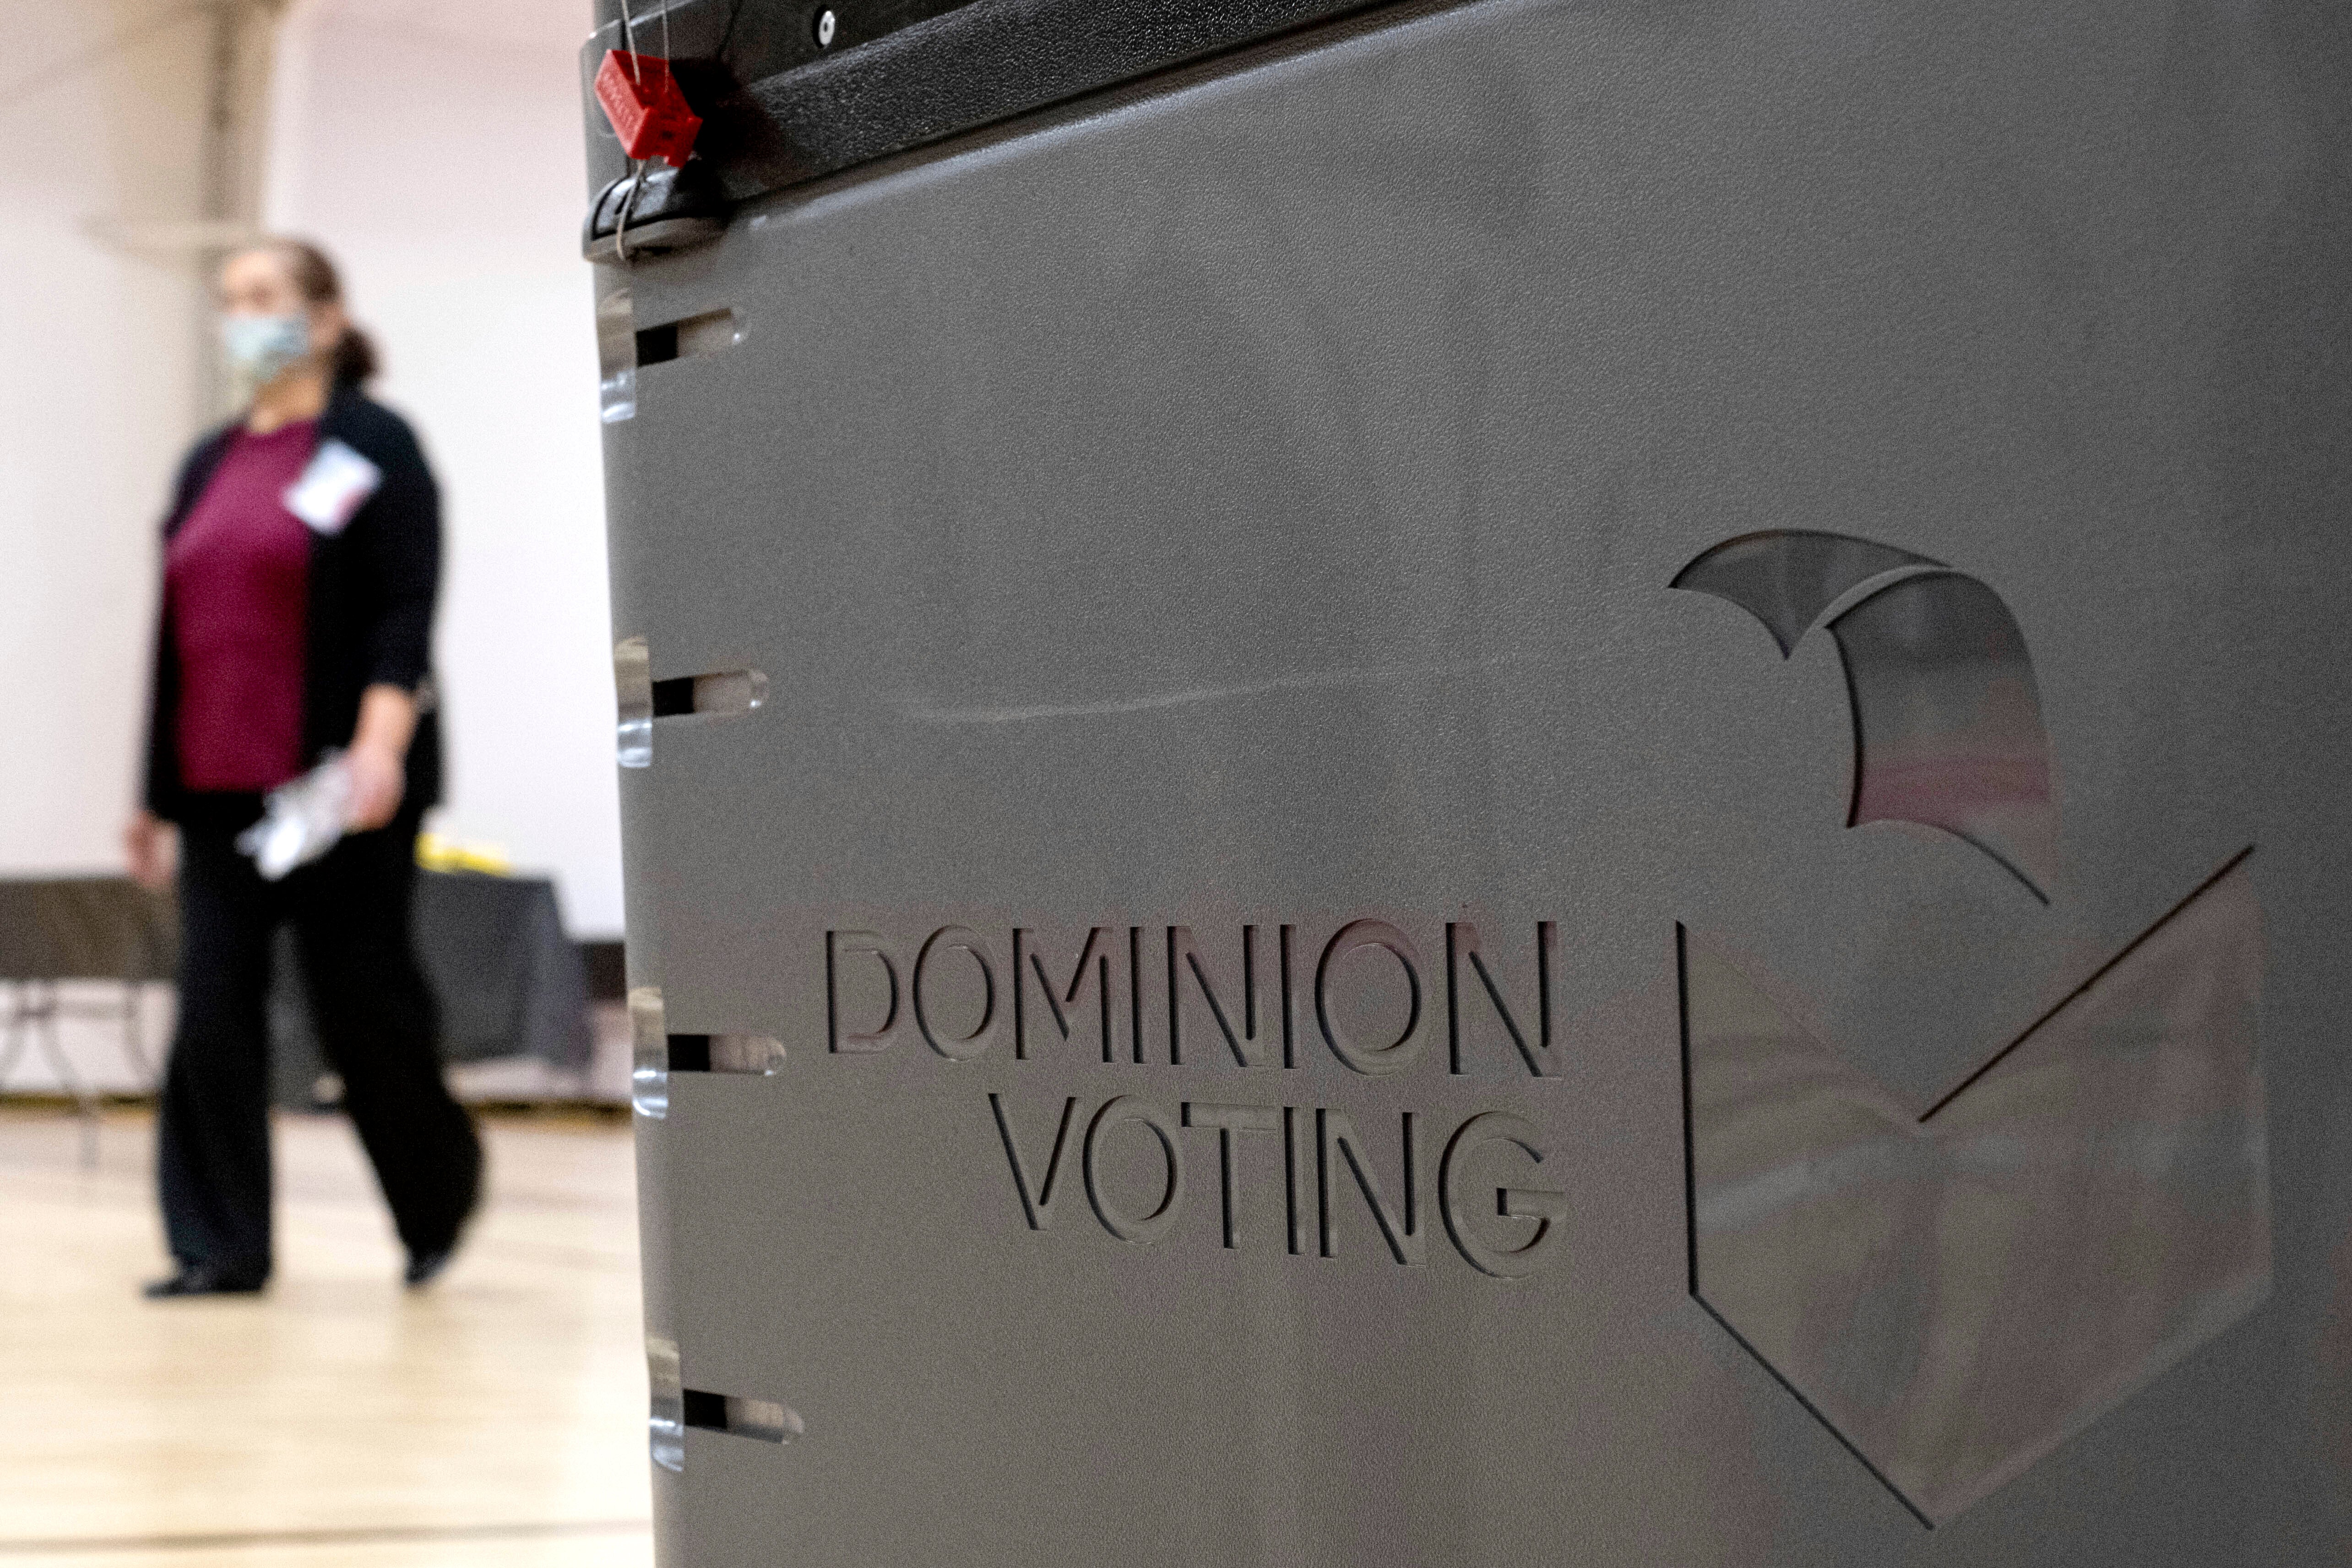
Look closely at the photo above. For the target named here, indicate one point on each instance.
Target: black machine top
(792, 90)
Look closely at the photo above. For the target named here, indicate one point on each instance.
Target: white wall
(435, 146)
(96, 396)
(435, 149)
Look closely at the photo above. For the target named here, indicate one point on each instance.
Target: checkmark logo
(1955, 1290)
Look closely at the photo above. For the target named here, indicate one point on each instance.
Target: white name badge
(336, 485)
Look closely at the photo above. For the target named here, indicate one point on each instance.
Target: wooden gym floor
(496, 1417)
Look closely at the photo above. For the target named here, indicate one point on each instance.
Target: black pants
(376, 1020)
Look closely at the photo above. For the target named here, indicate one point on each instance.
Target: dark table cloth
(86, 928)
(509, 980)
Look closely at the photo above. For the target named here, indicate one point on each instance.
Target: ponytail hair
(353, 359)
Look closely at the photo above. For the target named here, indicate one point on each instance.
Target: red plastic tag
(648, 112)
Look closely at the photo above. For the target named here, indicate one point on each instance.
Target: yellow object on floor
(435, 852)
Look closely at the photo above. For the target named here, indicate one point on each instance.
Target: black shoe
(425, 1263)
(423, 1266)
(204, 1280)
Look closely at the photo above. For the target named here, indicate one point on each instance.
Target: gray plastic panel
(1254, 508)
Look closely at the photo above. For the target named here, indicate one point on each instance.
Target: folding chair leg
(41, 1019)
(19, 1012)
(134, 1035)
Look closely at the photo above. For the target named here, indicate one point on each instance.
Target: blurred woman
(301, 556)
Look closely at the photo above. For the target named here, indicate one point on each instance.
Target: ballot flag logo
(1957, 1288)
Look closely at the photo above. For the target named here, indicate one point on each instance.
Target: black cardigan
(370, 618)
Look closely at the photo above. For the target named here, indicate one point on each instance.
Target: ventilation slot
(765, 1419)
(734, 692)
(748, 1053)
(727, 693)
(704, 334)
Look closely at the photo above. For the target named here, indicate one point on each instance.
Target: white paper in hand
(301, 821)
(336, 485)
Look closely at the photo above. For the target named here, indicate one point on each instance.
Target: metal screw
(825, 25)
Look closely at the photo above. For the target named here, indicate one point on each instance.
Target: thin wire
(727, 35)
(14, 93)
(628, 205)
(637, 167)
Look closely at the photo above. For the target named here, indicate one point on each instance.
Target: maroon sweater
(238, 575)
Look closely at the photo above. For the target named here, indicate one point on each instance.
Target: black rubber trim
(972, 66)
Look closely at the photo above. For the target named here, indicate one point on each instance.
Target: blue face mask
(257, 347)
